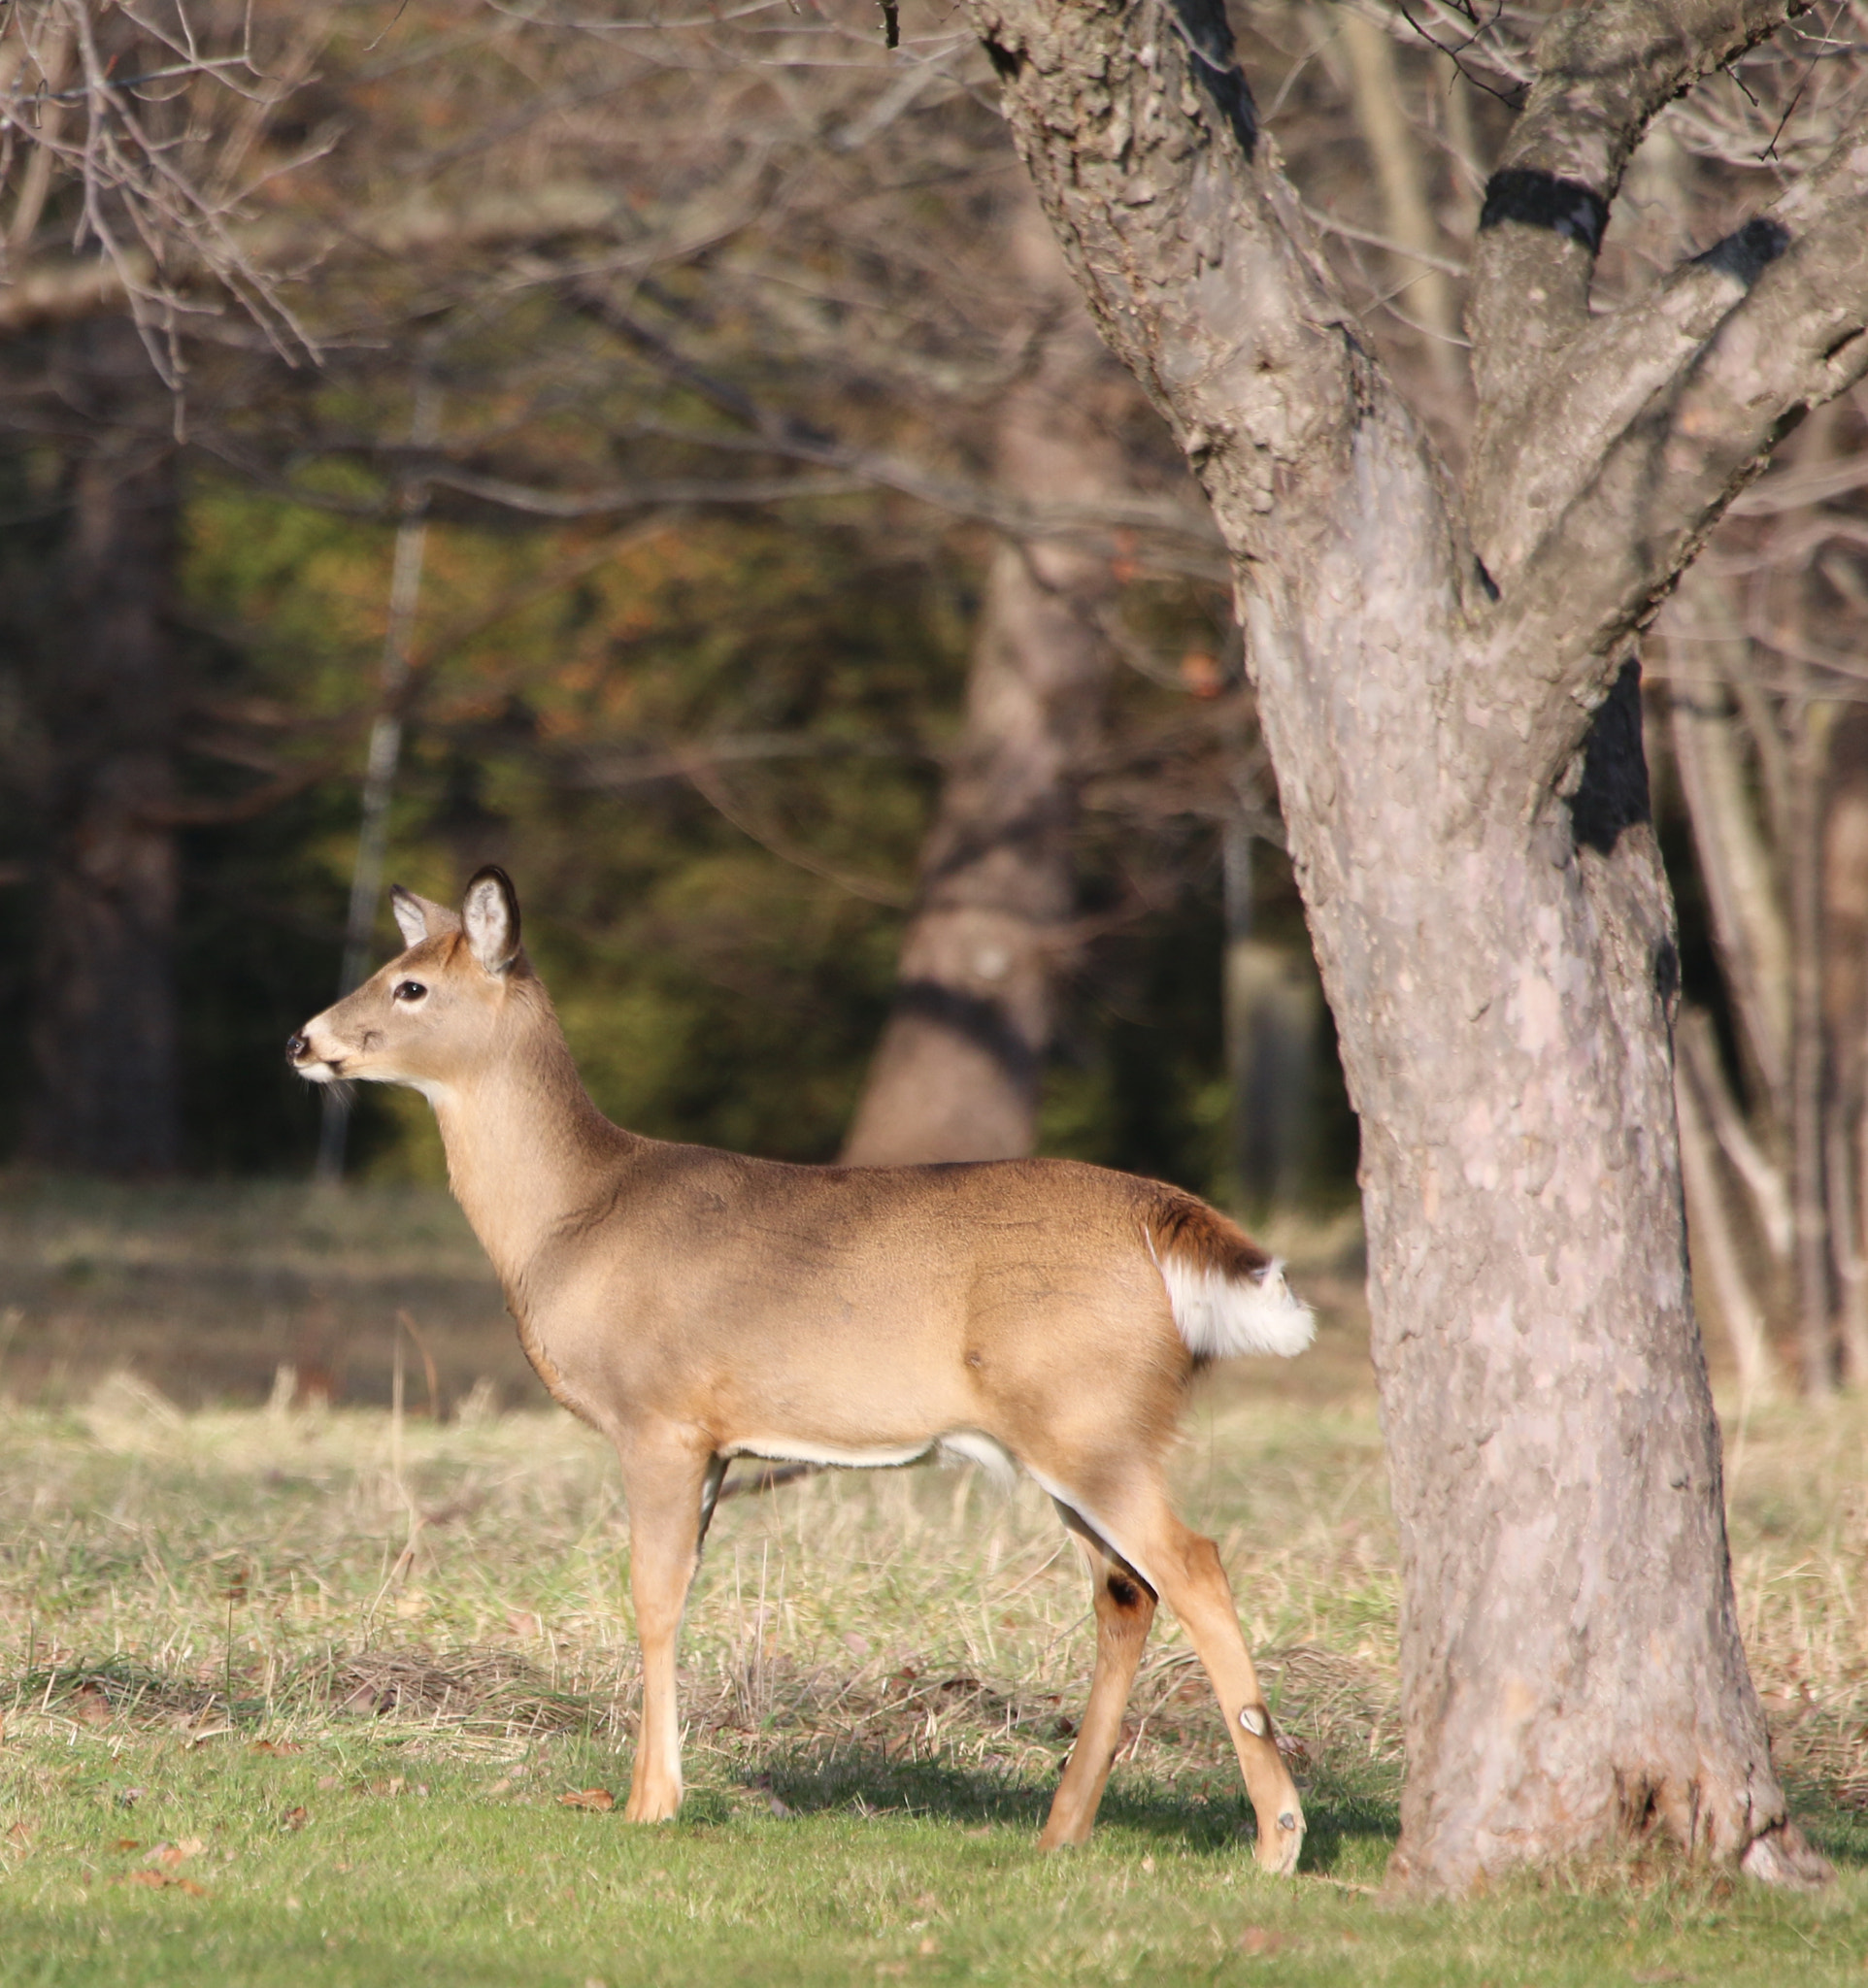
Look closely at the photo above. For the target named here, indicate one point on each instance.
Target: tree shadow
(1207, 1816)
(1835, 1824)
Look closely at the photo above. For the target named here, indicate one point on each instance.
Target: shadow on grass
(1838, 1828)
(1211, 1817)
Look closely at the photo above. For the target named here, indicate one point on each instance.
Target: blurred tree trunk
(102, 1035)
(1706, 647)
(1381, 115)
(1715, 1249)
(1845, 1002)
(957, 1073)
(1272, 1007)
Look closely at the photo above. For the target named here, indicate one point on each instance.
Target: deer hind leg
(1186, 1572)
(668, 1492)
(1125, 1608)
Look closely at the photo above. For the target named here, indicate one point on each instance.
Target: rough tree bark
(106, 1085)
(957, 1073)
(1447, 690)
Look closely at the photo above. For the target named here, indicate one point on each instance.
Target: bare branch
(1603, 69)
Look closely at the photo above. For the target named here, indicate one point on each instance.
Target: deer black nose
(295, 1050)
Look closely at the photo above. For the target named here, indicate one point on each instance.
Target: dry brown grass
(283, 1570)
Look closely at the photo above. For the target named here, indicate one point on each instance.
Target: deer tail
(1228, 1295)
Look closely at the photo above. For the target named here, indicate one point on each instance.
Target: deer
(695, 1305)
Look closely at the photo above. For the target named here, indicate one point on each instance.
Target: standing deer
(697, 1305)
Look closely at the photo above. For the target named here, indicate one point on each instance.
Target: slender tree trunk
(1407, 213)
(103, 1026)
(1714, 1252)
(1845, 1001)
(1698, 1049)
(1705, 645)
(957, 1073)
(1809, 1061)
(1482, 884)
(1272, 1002)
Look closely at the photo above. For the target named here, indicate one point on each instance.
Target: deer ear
(410, 914)
(489, 916)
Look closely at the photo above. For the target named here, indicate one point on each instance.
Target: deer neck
(525, 1146)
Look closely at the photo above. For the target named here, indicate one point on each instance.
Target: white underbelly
(971, 1444)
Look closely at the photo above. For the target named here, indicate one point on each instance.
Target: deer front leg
(666, 1486)
(1193, 1584)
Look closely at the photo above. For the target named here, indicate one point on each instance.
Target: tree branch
(1796, 338)
(1603, 69)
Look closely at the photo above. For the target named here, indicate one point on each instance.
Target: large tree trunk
(957, 1073)
(103, 1037)
(1481, 880)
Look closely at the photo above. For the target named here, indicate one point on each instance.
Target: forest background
(667, 453)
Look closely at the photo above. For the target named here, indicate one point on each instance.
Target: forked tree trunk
(959, 1070)
(1481, 880)
(103, 1037)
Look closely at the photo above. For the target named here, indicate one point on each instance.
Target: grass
(295, 1691)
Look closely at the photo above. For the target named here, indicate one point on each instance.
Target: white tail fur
(1221, 1315)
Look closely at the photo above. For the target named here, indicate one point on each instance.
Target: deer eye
(411, 990)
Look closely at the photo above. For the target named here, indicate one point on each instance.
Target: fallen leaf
(124, 1843)
(277, 1746)
(598, 1799)
(295, 1818)
(128, 1797)
(20, 1834)
(327, 1783)
(929, 1944)
(524, 1622)
(93, 1707)
(1258, 1940)
(156, 1878)
(193, 1890)
(392, 1786)
(173, 1854)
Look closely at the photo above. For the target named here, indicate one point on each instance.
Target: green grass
(294, 1695)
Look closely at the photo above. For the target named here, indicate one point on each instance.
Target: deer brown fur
(696, 1306)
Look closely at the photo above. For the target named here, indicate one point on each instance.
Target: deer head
(435, 1012)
